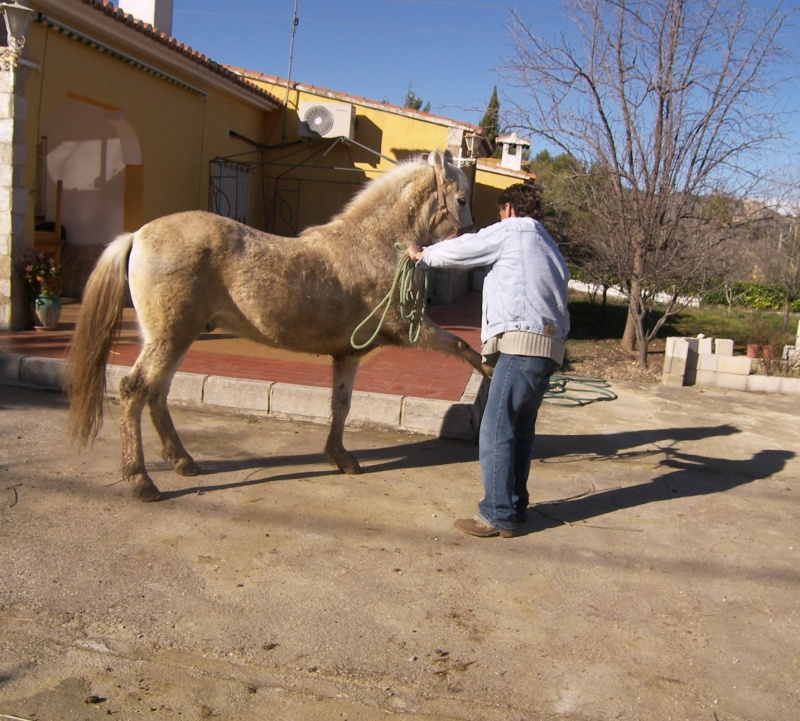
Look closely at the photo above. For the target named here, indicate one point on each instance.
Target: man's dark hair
(525, 200)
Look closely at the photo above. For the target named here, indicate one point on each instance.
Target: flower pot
(753, 350)
(767, 352)
(46, 312)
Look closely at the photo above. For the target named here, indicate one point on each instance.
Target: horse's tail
(97, 327)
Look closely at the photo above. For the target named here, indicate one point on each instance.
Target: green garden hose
(572, 390)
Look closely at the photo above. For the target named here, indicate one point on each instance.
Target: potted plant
(41, 274)
(758, 330)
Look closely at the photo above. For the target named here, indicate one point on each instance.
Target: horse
(193, 271)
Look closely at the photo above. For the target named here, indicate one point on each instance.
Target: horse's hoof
(350, 469)
(186, 467)
(146, 492)
(344, 461)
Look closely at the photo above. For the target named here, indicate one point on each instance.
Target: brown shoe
(477, 527)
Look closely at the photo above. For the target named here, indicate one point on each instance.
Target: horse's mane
(378, 192)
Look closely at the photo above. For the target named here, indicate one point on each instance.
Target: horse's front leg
(436, 338)
(344, 374)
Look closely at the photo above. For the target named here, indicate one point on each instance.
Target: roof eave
(356, 100)
(147, 44)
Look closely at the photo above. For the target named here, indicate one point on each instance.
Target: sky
(446, 51)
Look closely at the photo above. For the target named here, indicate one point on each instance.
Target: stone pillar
(13, 194)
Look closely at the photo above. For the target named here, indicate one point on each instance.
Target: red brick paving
(395, 371)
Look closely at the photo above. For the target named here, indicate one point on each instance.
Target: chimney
(513, 147)
(157, 13)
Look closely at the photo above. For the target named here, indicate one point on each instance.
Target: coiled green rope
(411, 302)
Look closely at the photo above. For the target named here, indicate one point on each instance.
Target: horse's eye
(462, 201)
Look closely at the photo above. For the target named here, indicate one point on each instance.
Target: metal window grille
(229, 189)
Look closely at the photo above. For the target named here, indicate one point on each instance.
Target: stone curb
(444, 419)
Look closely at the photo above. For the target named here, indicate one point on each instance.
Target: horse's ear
(436, 159)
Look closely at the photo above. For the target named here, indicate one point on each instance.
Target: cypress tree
(490, 122)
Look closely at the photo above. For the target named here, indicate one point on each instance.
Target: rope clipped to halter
(411, 302)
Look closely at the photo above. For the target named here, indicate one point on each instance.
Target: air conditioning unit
(326, 120)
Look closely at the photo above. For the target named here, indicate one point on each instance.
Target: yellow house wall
(394, 135)
(397, 136)
(178, 131)
(488, 186)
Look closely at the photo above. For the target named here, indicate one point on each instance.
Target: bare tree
(778, 259)
(665, 102)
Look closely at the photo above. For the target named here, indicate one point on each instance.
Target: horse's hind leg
(172, 449)
(344, 374)
(133, 396)
(149, 382)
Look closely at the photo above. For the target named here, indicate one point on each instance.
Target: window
(229, 189)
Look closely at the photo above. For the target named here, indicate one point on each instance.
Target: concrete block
(790, 386)
(114, 374)
(10, 364)
(675, 365)
(763, 384)
(674, 380)
(375, 409)
(731, 381)
(42, 372)
(706, 378)
(246, 395)
(737, 365)
(706, 362)
(677, 347)
(476, 386)
(7, 131)
(705, 346)
(300, 402)
(723, 346)
(187, 388)
(439, 418)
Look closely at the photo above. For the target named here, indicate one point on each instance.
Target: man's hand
(415, 252)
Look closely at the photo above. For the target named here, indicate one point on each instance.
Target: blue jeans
(507, 432)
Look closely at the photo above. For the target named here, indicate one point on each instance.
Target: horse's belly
(303, 333)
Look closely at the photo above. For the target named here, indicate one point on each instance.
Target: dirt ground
(657, 578)
(605, 359)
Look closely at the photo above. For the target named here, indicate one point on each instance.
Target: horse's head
(450, 214)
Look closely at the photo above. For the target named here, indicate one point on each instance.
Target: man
(523, 331)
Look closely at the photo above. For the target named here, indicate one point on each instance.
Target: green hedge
(754, 296)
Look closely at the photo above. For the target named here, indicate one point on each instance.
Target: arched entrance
(94, 151)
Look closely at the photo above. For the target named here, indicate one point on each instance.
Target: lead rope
(411, 302)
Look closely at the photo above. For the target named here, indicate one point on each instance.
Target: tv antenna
(295, 23)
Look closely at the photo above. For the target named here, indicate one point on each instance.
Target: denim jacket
(526, 286)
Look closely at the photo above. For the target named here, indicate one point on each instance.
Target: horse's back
(195, 269)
